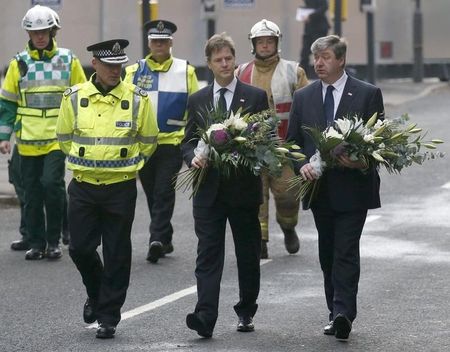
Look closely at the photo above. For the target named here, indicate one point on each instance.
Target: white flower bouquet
(392, 144)
(246, 141)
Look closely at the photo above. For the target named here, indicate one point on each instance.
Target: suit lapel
(348, 95)
(317, 104)
(239, 97)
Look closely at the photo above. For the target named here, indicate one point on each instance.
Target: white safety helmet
(40, 17)
(264, 28)
(56, 16)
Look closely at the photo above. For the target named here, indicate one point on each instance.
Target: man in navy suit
(345, 193)
(236, 198)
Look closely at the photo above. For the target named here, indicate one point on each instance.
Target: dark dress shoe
(194, 322)
(20, 245)
(34, 254)
(89, 311)
(155, 252)
(343, 326)
(167, 248)
(329, 329)
(105, 331)
(54, 252)
(264, 250)
(291, 241)
(245, 324)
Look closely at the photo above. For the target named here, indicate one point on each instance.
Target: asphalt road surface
(403, 293)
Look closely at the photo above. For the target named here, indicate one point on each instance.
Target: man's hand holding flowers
(355, 144)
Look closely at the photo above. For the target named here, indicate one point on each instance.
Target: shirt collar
(156, 66)
(338, 85)
(231, 87)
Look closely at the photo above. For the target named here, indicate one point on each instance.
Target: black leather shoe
(167, 248)
(245, 324)
(329, 329)
(53, 252)
(194, 322)
(155, 252)
(34, 254)
(291, 241)
(20, 245)
(264, 250)
(105, 331)
(343, 326)
(89, 311)
(65, 237)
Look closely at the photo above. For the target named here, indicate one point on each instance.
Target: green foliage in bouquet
(241, 141)
(393, 144)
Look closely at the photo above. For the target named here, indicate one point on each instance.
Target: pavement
(395, 92)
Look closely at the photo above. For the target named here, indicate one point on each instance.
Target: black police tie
(222, 103)
(328, 105)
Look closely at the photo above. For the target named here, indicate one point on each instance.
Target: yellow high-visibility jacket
(31, 95)
(106, 138)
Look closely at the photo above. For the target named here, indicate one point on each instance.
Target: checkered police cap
(110, 51)
(160, 29)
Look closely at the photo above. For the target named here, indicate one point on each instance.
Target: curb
(8, 200)
(410, 97)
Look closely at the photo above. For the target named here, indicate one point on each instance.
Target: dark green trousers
(43, 181)
(15, 178)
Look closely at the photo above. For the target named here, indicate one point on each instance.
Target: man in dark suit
(344, 193)
(236, 199)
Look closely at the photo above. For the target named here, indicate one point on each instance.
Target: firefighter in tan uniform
(279, 78)
(108, 129)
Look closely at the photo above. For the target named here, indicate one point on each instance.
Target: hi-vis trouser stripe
(104, 163)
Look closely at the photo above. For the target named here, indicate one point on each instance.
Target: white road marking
(446, 185)
(372, 218)
(162, 301)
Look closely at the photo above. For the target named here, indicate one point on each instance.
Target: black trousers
(339, 235)
(103, 214)
(210, 226)
(158, 178)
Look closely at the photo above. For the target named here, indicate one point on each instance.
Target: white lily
(332, 133)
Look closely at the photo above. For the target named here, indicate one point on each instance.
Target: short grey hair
(218, 42)
(337, 44)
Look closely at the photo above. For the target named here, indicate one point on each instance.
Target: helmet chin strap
(259, 57)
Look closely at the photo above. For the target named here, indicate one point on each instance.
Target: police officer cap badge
(160, 29)
(110, 51)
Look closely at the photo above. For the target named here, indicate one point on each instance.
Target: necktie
(328, 105)
(222, 103)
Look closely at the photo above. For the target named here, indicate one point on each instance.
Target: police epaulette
(140, 91)
(71, 90)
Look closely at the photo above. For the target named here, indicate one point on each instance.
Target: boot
(264, 250)
(291, 241)
(20, 245)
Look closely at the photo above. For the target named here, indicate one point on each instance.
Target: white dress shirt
(338, 90)
(228, 94)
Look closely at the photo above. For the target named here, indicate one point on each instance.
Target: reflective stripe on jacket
(107, 138)
(41, 89)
